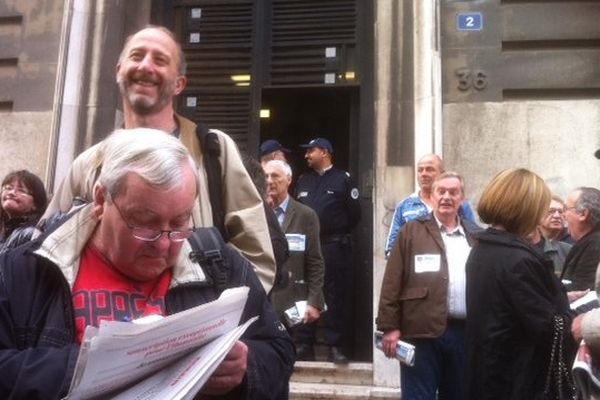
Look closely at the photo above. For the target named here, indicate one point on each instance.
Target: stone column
(87, 97)
(407, 122)
(68, 96)
(427, 78)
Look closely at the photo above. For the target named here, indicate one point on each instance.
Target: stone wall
(29, 47)
(555, 139)
(24, 141)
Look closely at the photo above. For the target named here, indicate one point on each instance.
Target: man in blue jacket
(121, 257)
(419, 204)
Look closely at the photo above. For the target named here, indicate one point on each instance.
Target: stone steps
(353, 373)
(321, 391)
(325, 380)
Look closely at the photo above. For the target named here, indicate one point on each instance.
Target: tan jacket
(244, 213)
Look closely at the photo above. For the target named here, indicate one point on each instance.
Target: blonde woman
(513, 295)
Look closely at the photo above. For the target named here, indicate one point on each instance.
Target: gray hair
(287, 170)
(589, 199)
(451, 174)
(157, 157)
(181, 63)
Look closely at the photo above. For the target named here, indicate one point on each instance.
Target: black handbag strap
(557, 368)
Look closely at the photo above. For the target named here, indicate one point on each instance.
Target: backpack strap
(206, 250)
(211, 151)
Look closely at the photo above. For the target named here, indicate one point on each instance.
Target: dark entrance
(298, 115)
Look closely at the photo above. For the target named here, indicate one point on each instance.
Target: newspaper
(295, 314)
(585, 372)
(585, 303)
(185, 348)
(405, 352)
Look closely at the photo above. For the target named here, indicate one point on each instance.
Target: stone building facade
(536, 103)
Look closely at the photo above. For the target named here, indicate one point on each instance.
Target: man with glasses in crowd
(547, 234)
(582, 213)
(553, 226)
(121, 257)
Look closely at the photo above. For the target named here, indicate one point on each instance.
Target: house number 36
(467, 79)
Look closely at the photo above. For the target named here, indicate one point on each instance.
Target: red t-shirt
(102, 293)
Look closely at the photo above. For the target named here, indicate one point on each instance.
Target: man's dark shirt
(333, 196)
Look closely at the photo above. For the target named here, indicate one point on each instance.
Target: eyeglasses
(552, 211)
(16, 189)
(570, 208)
(152, 235)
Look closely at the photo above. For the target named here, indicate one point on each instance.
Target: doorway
(297, 115)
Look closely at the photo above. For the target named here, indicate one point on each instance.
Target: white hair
(287, 170)
(157, 157)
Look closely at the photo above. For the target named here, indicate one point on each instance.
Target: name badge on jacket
(427, 263)
(296, 241)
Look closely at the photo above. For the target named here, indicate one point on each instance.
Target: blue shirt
(283, 206)
(412, 208)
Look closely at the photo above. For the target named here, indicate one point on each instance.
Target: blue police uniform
(334, 197)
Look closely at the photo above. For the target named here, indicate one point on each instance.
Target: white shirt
(457, 252)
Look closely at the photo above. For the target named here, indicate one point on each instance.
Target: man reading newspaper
(122, 257)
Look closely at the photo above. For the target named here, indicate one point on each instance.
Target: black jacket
(512, 297)
(18, 231)
(37, 346)
(582, 261)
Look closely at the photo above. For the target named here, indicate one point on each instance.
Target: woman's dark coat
(512, 297)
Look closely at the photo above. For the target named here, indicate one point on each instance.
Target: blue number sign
(472, 21)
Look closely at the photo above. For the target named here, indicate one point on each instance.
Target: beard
(143, 104)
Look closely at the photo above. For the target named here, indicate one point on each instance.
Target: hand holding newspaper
(585, 303)
(405, 352)
(170, 358)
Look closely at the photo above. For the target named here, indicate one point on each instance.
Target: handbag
(559, 382)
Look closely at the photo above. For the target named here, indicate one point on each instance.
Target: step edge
(329, 365)
(329, 387)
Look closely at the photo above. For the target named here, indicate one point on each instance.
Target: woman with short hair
(513, 295)
(23, 200)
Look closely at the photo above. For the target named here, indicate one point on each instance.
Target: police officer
(332, 194)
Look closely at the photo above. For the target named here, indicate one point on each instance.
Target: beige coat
(244, 213)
